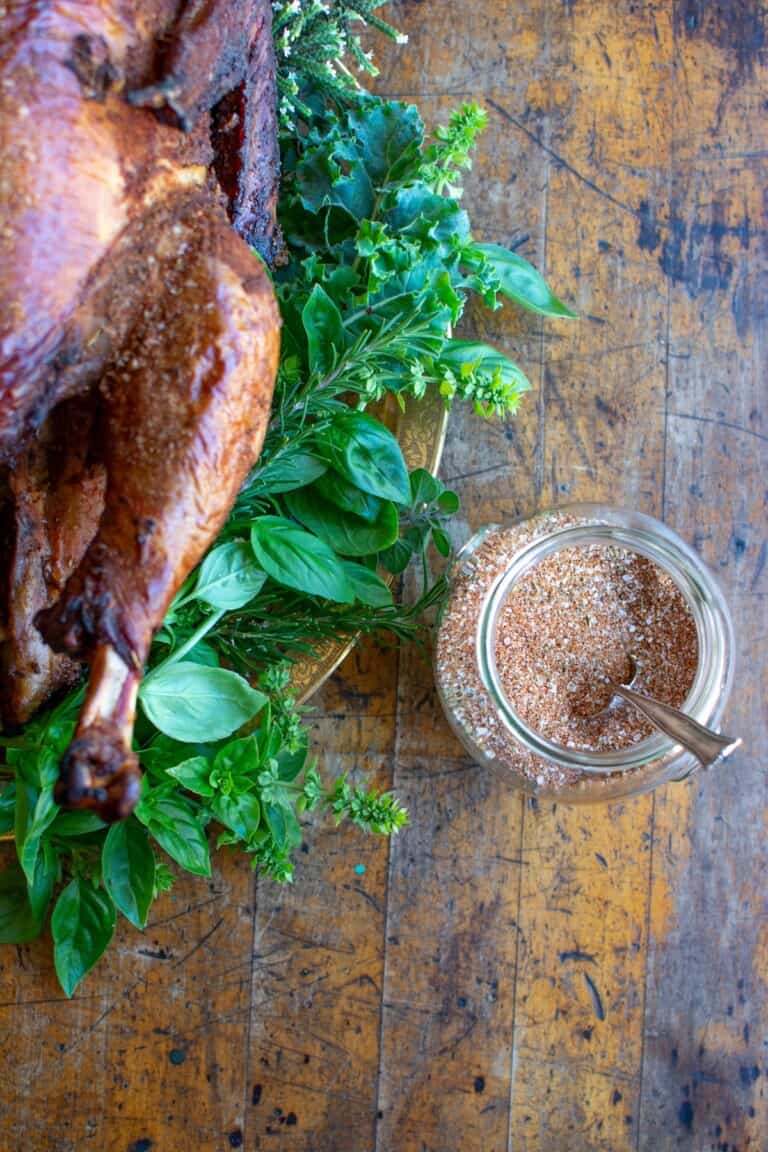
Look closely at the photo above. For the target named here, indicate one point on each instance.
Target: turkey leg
(187, 407)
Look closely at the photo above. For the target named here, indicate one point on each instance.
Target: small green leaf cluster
(380, 264)
(450, 154)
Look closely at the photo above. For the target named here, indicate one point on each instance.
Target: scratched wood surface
(506, 976)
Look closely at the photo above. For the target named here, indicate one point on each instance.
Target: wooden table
(507, 975)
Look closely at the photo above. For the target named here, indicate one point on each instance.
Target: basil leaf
(46, 874)
(325, 331)
(397, 558)
(441, 542)
(272, 788)
(76, 823)
(229, 576)
(203, 653)
(348, 496)
(34, 814)
(417, 537)
(128, 870)
(283, 824)
(191, 702)
(448, 502)
(520, 281)
(267, 736)
(241, 814)
(425, 488)
(82, 925)
(172, 821)
(48, 764)
(26, 798)
(290, 764)
(39, 767)
(365, 452)
(237, 758)
(193, 774)
(17, 921)
(347, 534)
(283, 474)
(369, 588)
(298, 559)
(163, 753)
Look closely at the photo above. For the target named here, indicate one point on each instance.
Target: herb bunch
(380, 263)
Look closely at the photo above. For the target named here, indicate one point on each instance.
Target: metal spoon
(707, 746)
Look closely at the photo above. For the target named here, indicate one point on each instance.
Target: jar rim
(611, 525)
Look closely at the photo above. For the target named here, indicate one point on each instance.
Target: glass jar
(468, 680)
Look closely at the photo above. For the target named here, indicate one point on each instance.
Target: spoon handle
(707, 746)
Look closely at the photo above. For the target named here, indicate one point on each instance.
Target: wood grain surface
(506, 975)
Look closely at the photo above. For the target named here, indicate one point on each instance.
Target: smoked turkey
(139, 337)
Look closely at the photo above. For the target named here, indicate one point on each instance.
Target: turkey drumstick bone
(100, 769)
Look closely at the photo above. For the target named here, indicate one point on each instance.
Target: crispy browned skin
(58, 488)
(125, 284)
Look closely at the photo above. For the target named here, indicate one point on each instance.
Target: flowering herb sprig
(314, 40)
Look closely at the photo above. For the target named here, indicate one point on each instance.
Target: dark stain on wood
(685, 1115)
(595, 997)
(692, 253)
(611, 414)
(576, 954)
(750, 301)
(649, 236)
(735, 26)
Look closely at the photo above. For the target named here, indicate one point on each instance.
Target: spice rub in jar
(582, 607)
(580, 617)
